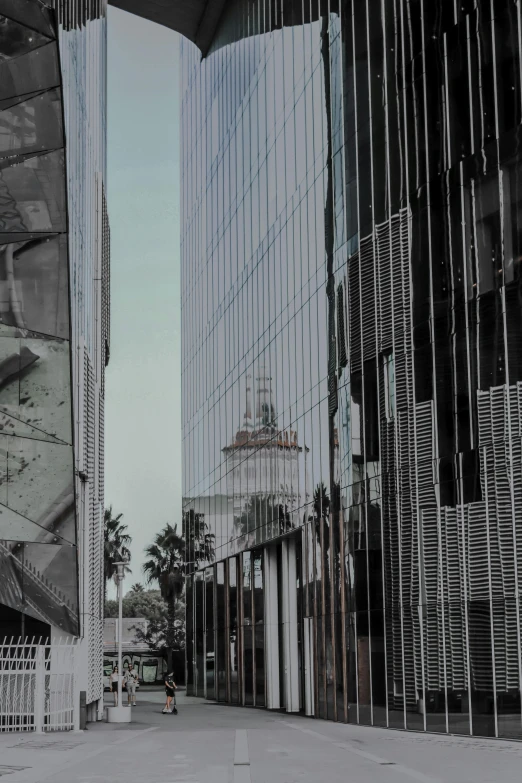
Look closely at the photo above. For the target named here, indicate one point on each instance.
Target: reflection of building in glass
(352, 221)
(54, 324)
(265, 470)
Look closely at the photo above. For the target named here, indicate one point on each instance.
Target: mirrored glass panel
(17, 39)
(35, 192)
(210, 647)
(351, 293)
(248, 646)
(221, 649)
(34, 285)
(33, 125)
(199, 634)
(35, 388)
(233, 630)
(189, 641)
(32, 15)
(36, 70)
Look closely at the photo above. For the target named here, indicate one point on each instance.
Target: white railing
(38, 685)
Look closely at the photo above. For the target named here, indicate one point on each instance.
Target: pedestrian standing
(170, 688)
(114, 684)
(131, 680)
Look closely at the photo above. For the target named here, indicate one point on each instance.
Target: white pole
(120, 634)
(118, 714)
(39, 689)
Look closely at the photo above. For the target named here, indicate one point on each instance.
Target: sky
(143, 388)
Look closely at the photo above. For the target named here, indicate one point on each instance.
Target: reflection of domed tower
(263, 461)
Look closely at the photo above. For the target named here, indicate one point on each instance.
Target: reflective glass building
(54, 324)
(352, 361)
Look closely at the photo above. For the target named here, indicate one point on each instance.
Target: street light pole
(120, 576)
(119, 714)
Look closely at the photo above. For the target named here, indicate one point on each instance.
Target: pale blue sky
(143, 397)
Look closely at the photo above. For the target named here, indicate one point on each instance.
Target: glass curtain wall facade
(54, 323)
(352, 364)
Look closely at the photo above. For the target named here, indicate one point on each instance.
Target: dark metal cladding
(197, 20)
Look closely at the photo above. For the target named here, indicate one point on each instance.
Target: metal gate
(38, 685)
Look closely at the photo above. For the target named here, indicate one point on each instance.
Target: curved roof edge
(197, 20)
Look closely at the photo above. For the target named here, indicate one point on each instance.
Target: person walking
(170, 690)
(114, 684)
(131, 680)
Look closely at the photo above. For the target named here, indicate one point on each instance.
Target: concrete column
(308, 651)
(289, 605)
(271, 628)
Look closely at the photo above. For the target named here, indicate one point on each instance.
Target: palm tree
(116, 545)
(137, 588)
(166, 566)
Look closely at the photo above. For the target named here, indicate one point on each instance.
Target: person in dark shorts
(114, 685)
(170, 691)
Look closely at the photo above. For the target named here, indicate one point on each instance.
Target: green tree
(148, 604)
(116, 545)
(166, 567)
(164, 633)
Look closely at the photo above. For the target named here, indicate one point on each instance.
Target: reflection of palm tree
(116, 544)
(321, 501)
(200, 542)
(167, 567)
(262, 518)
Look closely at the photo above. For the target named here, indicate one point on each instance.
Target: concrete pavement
(210, 743)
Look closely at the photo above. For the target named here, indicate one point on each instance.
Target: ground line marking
(241, 758)
(411, 773)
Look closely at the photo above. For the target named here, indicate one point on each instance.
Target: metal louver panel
(387, 259)
(368, 272)
(75, 13)
(341, 329)
(95, 541)
(105, 288)
(354, 292)
(384, 286)
(425, 445)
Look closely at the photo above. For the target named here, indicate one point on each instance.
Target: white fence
(37, 685)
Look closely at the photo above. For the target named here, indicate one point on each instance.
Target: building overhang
(197, 20)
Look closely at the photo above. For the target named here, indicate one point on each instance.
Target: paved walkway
(209, 743)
